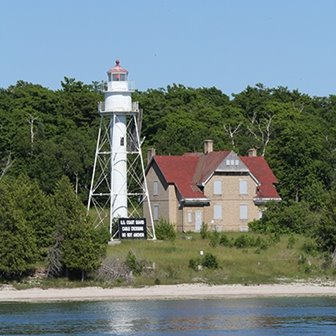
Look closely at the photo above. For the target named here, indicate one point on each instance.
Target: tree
(326, 230)
(36, 208)
(17, 241)
(77, 245)
(82, 249)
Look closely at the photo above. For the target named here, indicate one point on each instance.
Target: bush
(309, 247)
(193, 263)
(225, 241)
(133, 264)
(295, 217)
(165, 230)
(214, 238)
(210, 261)
(244, 241)
(204, 231)
(291, 242)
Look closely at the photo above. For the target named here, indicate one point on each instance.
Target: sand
(164, 292)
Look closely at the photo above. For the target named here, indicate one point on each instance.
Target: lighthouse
(118, 186)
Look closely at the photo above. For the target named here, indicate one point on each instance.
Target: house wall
(230, 200)
(165, 197)
(190, 218)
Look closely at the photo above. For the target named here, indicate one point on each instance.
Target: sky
(228, 44)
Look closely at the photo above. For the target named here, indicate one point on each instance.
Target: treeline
(47, 134)
(49, 229)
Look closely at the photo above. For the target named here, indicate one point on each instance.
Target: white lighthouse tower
(118, 185)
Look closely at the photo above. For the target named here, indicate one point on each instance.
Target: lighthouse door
(198, 220)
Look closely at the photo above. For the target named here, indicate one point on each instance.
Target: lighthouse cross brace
(118, 185)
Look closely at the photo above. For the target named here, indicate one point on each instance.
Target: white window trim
(217, 190)
(156, 212)
(243, 216)
(155, 188)
(217, 215)
(189, 217)
(243, 191)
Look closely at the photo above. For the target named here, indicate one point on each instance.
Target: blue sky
(229, 44)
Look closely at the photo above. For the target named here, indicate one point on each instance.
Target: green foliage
(291, 242)
(194, 262)
(18, 251)
(165, 230)
(47, 134)
(225, 241)
(326, 230)
(244, 241)
(210, 261)
(133, 264)
(215, 238)
(295, 217)
(78, 247)
(81, 249)
(204, 232)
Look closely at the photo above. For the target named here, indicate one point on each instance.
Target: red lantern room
(117, 74)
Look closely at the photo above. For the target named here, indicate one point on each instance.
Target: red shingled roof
(179, 170)
(188, 170)
(207, 165)
(260, 169)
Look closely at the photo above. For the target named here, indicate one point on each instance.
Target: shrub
(225, 241)
(113, 270)
(244, 241)
(204, 231)
(214, 238)
(309, 247)
(210, 261)
(165, 230)
(193, 263)
(291, 242)
(133, 264)
(295, 217)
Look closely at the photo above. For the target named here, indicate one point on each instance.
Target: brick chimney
(208, 146)
(150, 153)
(252, 152)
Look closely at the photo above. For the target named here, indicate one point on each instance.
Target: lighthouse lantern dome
(117, 73)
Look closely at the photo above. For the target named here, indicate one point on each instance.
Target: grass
(286, 259)
(283, 260)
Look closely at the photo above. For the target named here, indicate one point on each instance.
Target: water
(257, 316)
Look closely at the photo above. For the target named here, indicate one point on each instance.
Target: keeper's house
(221, 189)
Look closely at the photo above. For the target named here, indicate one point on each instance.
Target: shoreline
(165, 292)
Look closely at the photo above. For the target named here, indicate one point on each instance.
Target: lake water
(257, 316)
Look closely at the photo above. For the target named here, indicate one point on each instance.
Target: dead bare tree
(262, 131)
(31, 121)
(7, 164)
(232, 131)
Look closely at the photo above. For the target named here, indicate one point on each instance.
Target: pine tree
(18, 251)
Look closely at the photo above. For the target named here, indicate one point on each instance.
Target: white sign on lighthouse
(118, 186)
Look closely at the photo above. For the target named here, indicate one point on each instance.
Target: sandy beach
(164, 292)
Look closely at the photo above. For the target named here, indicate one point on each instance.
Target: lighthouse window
(118, 77)
(122, 141)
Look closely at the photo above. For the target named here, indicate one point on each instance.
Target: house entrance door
(198, 220)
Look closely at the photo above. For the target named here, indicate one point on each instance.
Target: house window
(156, 212)
(228, 162)
(189, 216)
(155, 188)
(243, 212)
(217, 188)
(217, 211)
(232, 162)
(243, 187)
(237, 162)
